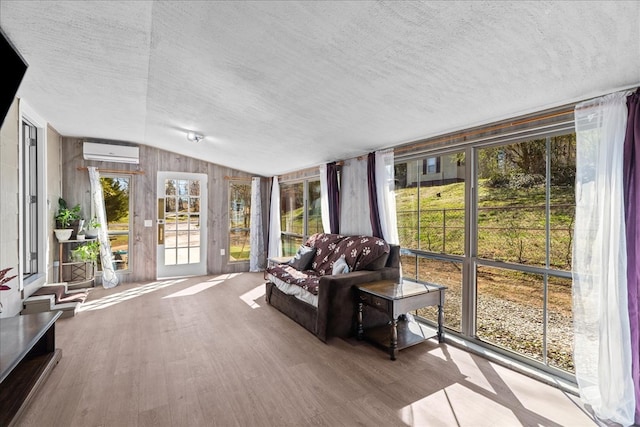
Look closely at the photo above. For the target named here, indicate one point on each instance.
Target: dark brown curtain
(333, 189)
(374, 213)
(632, 219)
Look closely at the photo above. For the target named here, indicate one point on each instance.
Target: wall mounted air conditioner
(110, 152)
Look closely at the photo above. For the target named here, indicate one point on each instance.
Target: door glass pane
(194, 205)
(194, 255)
(194, 188)
(169, 256)
(170, 187)
(183, 187)
(182, 256)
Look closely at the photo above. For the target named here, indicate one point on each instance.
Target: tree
(116, 198)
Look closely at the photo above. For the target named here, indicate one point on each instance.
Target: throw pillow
(340, 266)
(303, 258)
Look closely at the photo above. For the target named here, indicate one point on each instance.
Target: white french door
(181, 224)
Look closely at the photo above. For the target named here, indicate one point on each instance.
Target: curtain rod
(113, 171)
(238, 178)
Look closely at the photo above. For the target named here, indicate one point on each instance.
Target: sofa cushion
(325, 245)
(363, 250)
(303, 257)
(340, 266)
(359, 251)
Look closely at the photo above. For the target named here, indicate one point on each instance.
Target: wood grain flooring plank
(192, 352)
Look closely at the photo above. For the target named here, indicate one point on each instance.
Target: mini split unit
(110, 152)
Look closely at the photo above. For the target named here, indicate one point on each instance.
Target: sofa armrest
(336, 306)
(389, 273)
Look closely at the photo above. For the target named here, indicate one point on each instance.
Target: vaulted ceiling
(281, 86)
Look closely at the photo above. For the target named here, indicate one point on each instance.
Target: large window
(494, 226)
(239, 220)
(300, 213)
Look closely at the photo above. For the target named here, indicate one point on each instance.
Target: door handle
(160, 233)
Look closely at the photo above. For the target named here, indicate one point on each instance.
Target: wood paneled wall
(142, 256)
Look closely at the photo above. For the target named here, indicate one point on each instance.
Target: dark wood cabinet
(27, 356)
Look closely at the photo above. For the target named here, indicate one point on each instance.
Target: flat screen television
(13, 70)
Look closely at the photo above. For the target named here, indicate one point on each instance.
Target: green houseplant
(92, 228)
(87, 252)
(64, 217)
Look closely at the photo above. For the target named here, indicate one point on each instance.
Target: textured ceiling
(280, 86)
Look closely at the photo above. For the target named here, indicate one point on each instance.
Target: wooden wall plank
(142, 257)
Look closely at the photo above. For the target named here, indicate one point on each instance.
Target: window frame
(543, 124)
(38, 278)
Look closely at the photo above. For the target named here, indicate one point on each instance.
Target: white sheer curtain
(275, 242)
(256, 236)
(354, 198)
(109, 277)
(324, 199)
(385, 183)
(602, 351)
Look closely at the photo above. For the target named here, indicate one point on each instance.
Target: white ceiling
(281, 86)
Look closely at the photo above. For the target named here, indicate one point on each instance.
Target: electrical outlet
(221, 251)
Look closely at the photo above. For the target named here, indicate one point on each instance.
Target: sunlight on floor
(421, 412)
(459, 405)
(113, 299)
(199, 287)
(252, 295)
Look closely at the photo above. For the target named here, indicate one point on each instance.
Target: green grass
(511, 222)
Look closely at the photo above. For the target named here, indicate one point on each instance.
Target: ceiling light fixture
(195, 137)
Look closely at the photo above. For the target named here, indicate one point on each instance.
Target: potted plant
(91, 232)
(4, 279)
(88, 253)
(64, 217)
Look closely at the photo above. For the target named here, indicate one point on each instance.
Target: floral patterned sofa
(315, 289)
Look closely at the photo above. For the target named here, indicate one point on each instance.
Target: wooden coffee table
(396, 298)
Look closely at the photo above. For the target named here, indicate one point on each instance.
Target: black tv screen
(13, 70)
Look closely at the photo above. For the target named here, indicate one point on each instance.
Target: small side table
(396, 298)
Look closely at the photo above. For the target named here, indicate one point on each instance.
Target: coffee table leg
(393, 348)
(360, 328)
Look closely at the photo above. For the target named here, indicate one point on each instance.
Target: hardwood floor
(209, 351)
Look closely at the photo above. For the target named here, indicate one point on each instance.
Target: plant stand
(77, 274)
